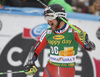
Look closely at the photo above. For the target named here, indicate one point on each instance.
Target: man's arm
(30, 68)
(38, 47)
(83, 39)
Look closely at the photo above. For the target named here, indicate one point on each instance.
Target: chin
(53, 29)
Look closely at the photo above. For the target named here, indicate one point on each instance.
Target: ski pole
(61, 17)
(29, 57)
(1, 73)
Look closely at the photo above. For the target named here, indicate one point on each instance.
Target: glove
(30, 68)
(90, 45)
(83, 36)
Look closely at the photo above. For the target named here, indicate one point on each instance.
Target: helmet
(57, 8)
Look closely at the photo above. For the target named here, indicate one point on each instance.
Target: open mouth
(52, 24)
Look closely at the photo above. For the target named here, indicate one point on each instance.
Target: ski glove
(82, 36)
(89, 45)
(30, 68)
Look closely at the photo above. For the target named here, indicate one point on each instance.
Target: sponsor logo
(58, 37)
(63, 64)
(66, 59)
(66, 41)
(35, 32)
(49, 31)
(70, 30)
(61, 59)
(58, 42)
(54, 42)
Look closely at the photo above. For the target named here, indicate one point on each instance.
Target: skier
(63, 41)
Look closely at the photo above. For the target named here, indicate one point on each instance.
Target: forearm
(84, 41)
(38, 48)
(37, 52)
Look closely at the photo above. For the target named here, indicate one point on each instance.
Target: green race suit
(58, 42)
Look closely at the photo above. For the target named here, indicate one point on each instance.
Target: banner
(18, 33)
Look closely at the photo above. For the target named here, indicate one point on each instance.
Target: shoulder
(77, 28)
(49, 28)
(49, 31)
(45, 32)
(43, 35)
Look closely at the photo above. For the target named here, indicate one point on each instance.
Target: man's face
(97, 5)
(53, 24)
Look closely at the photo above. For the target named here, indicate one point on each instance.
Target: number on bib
(54, 50)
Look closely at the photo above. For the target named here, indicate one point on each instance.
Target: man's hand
(83, 36)
(89, 45)
(30, 68)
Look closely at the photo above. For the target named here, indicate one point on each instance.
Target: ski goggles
(50, 16)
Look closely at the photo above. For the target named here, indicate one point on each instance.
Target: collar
(63, 29)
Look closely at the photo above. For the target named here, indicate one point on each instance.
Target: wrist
(34, 59)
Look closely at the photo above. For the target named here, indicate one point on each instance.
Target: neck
(61, 24)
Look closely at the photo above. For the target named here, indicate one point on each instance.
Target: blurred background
(22, 23)
(81, 6)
